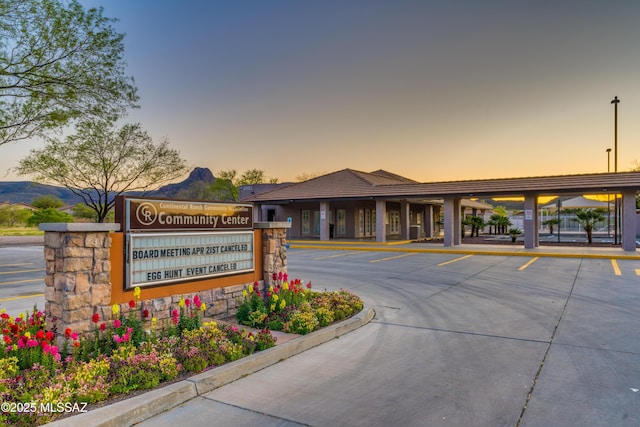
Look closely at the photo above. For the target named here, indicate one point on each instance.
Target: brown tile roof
(351, 184)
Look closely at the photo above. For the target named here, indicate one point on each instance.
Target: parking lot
(458, 339)
(22, 271)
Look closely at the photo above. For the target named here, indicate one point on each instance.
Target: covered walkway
(453, 192)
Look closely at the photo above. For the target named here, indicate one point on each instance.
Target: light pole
(608, 195)
(615, 103)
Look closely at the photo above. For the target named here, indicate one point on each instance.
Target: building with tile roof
(381, 205)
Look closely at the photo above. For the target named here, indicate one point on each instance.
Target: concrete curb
(516, 252)
(145, 406)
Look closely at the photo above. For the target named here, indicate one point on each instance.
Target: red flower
(76, 343)
(50, 336)
(187, 302)
(309, 285)
(132, 304)
(103, 326)
(4, 315)
(95, 317)
(7, 340)
(280, 275)
(40, 334)
(145, 313)
(67, 332)
(274, 276)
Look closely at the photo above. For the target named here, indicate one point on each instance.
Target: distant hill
(26, 191)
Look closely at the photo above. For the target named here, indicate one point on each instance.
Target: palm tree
(551, 222)
(588, 217)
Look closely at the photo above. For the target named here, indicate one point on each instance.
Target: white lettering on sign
(159, 258)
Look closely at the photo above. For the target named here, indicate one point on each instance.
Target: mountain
(172, 190)
(26, 191)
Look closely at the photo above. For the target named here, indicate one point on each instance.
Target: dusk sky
(431, 90)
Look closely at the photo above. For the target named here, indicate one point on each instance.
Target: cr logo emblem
(146, 213)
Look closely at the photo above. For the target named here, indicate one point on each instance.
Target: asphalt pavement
(495, 337)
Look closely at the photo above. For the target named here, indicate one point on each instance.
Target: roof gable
(342, 183)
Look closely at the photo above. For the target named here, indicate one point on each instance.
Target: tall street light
(615, 103)
(608, 195)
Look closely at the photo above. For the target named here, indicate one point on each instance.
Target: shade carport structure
(453, 192)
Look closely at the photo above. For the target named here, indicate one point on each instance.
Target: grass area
(20, 231)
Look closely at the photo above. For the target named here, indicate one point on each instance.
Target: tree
(252, 176)
(477, 223)
(48, 215)
(47, 201)
(588, 217)
(551, 222)
(13, 215)
(100, 162)
(58, 62)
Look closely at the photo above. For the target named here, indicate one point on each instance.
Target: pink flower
(116, 323)
(32, 343)
(74, 336)
(187, 302)
(174, 313)
(196, 301)
(280, 275)
(46, 348)
(285, 277)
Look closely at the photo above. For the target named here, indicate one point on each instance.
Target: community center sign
(170, 241)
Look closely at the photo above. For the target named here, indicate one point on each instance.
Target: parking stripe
(22, 297)
(21, 281)
(393, 257)
(21, 271)
(335, 256)
(455, 260)
(616, 268)
(531, 261)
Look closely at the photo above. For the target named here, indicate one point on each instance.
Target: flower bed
(133, 352)
(40, 380)
(292, 306)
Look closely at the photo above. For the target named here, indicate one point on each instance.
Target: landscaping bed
(124, 356)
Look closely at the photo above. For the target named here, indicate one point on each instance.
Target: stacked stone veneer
(78, 278)
(274, 248)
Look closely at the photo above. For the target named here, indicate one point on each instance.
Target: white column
(530, 223)
(629, 221)
(405, 220)
(381, 215)
(452, 222)
(324, 220)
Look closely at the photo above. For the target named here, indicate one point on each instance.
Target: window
(342, 222)
(306, 223)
